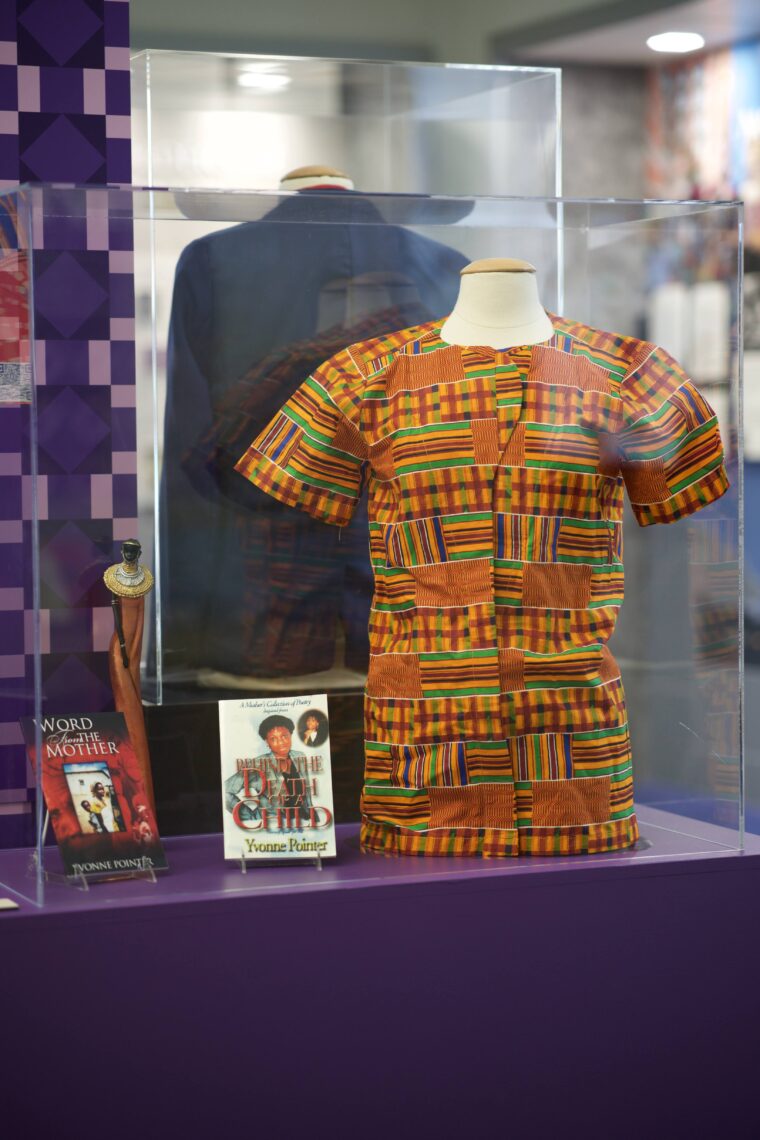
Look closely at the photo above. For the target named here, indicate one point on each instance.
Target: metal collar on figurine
(128, 583)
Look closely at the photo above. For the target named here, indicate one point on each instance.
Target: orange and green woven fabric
(495, 718)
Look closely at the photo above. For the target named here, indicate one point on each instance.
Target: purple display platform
(611, 996)
(198, 871)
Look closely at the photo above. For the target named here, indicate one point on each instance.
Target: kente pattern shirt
(495, 720)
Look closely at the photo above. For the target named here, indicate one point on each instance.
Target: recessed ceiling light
(263, 80)
(676, 42)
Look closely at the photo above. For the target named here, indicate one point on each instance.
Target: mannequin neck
(497, 310)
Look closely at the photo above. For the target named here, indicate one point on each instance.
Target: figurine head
(130, 551)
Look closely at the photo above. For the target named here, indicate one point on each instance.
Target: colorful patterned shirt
(495, 720)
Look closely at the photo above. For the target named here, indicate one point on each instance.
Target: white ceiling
(721, 22)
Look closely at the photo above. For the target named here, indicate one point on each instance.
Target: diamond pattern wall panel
(64, 117)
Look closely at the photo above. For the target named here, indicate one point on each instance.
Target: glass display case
(240, 297)
(243, 121)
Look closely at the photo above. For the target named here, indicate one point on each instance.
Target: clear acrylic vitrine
(238, 296)
(243, 121)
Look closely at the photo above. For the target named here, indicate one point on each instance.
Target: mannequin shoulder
(616, 352)
(374, 356)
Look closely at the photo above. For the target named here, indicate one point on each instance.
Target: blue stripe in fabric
(568, 757)
(438, 529)
(287, 437)
(697, 411)
(461, 763)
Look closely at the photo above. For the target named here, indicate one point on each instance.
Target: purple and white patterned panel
(65, 117)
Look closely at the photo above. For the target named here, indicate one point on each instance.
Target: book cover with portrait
(276, 779)
(100, 812)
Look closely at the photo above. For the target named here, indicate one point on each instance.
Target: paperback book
(99, 808)
(276, 779)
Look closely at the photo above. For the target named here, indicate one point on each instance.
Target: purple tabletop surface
(198, 871)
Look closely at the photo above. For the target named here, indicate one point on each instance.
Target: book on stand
(99, 808)
(276, 779)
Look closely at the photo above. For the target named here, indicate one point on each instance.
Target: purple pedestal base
(386, 997)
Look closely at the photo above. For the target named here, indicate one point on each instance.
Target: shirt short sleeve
(671, 454)
(311, 454)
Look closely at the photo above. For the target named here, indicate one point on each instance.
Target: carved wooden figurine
(129, 582)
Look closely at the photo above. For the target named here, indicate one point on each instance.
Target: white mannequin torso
(498, 306)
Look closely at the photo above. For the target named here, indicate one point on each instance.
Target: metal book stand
(82, 880)
(316, 861)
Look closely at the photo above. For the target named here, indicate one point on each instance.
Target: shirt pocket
(418, 542)
(591, 542)
(436, 539)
